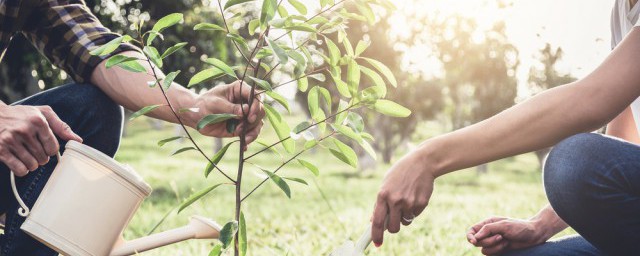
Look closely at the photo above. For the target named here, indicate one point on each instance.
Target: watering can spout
(198, 228)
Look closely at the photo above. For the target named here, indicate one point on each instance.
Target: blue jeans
(593, 182)
(89, 113)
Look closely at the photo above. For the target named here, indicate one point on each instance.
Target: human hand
(27, 136)
(498, 234)
(226, 99)
(404, 194)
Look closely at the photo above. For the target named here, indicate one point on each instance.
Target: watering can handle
(24, 209)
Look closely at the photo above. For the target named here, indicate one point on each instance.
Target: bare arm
(538, 122)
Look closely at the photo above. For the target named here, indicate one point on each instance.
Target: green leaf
(132, 65)
(261, 83)
(214, 119)
(301, 27)
(345, 153)
(348, 47)
(334, 52)
(117, 59)
(282, 128)
(327, 97)
(309, 167)
(227, 233)
(318, 20)
(280, 182)
(362, 45)
(167, 140)
(216, 159)
(234, 2)
(369, 149)
(253, 24)
(318, 76)
(376, 79)
(391, 108)
(353, 76)
(110, 46)
(222, 66)
(280, 99)
(173, 49)
(239, 40)
(304, 125)
(231, 125)
(342, 87)
(154, 33)
(324, 3)
(242, 236)
(268, 12)
(282, 55)
(168, 80)
(355, 121)
(143, 111)
(366, 11)
(181, 150)
(208, 26)
(342, 105)
(312, 101)
(282, 11)
(205, 75)
(299, 180)
(310, 144)
(346, 131)
(196, 196)
(384, 70)
(299, 6)
(216, 250)
(153, 54)
(303, 84)
(165, 22)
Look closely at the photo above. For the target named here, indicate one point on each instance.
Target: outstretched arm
(539, 122)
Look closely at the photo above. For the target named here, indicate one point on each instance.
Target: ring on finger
(409, 219)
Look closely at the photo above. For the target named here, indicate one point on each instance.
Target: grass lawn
(308, 225)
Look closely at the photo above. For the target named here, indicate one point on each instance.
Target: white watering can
(87, 203)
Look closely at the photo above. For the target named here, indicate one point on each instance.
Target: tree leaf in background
(282, 11)
(391, 108)
(376, 79)
(208, 27)
(318, 76)
(304, 125)
(282, 55)
(173, 49)
(299, 180)
(196, 196)
(348, 47)
(342, 105)
(303, 84)
(253, 24)
(384, 70)
(369, 149)
(222, 66)
(268, 12)
(164, 22)
(167, 140)
(346, 131)
(355, 121)
(242, 236)
(362, 46)
(110, 46)
(261, 83)
(312, 101)
(346, 153)
(301, 27)
(227, 233)
(117, 59)
(168, 80)
(153, 55)
(366, 11)
(280, 182)
(334, 52)
(214, 119)
(143, 111)
(216, 250)
(327, 97)
(309, 167)
(181, 150)
(282, 128)
(280, 99)
(234, 2)
(299, 6)
(342, 87)
(216, 158)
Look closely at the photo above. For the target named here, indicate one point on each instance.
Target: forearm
(131, 90)
(546, 118)
(548, 223)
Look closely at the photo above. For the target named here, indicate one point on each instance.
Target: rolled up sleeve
(65, 32)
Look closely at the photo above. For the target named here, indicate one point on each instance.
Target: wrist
(188, 108)
(431, 158)
(543, 229)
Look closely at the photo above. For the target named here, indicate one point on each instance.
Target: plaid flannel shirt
(63, 30)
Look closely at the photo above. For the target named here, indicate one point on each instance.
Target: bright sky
(580, 27)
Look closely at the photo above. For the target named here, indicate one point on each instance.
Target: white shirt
(623, 19)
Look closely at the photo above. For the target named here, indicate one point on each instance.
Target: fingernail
(499, 238)
(377, 244)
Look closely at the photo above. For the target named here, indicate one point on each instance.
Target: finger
(377, 225)
(409, 216)
(15, 165)
(28, 160)
(490, 241)
(252, 135)
(499, 248)
(395, 214)
(476, 227)
(59, 127)
(491, 229)
(34, 146)
(241, 91)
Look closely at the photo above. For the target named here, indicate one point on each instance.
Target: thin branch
(316, 15)
(228, 31)
(186, 131)
(283, 164)
(306, 128)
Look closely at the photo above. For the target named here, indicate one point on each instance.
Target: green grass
(308, 225)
